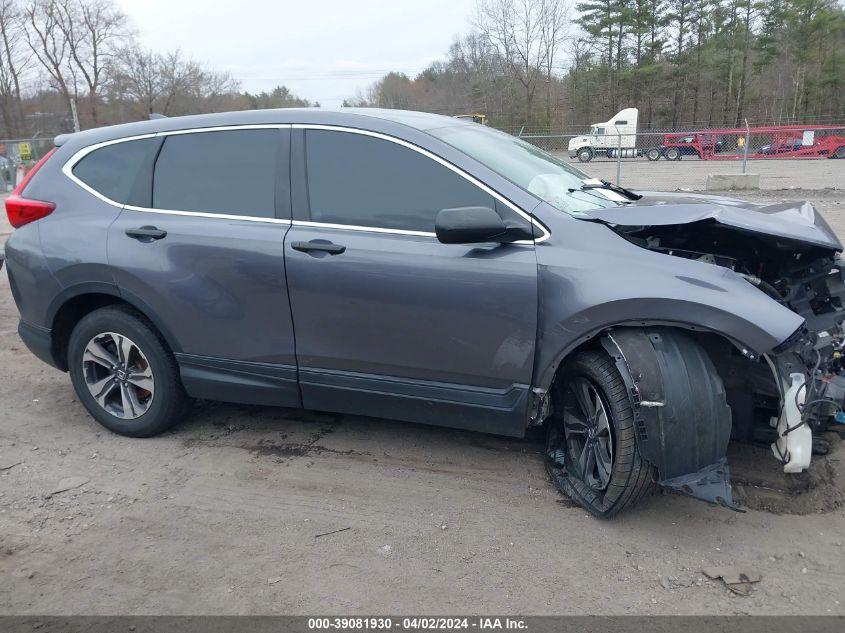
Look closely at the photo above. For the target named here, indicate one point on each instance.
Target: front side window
(112, 169)
(230, 172)
(354, 179)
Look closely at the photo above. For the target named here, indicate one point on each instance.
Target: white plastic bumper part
(794, 448)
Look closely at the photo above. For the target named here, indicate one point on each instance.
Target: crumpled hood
(799, 221)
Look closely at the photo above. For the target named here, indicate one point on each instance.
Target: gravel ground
(225, 515)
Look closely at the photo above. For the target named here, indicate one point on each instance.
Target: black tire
(839, 152)
(585, 154)
(166, 403)
(672, 153)
(653, 153)
(631, 478)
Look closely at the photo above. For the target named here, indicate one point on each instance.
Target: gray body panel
(409, 323)
(397, 325)
(591, 279)
(220, 285)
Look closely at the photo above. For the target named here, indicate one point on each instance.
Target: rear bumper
(39, 340)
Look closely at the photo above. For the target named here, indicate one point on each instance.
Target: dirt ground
(231, 513)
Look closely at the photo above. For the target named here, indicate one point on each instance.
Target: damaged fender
(681, 416)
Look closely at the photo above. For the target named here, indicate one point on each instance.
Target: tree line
(69, 61)
(526, 64)
(545, 64)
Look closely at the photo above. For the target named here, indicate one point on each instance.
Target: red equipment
(774, 141)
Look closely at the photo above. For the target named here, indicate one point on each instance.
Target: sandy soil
(225, 514)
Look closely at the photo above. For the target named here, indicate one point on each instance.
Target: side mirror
(474, 225)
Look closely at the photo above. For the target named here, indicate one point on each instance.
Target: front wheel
(585, 154)
(839, 152)
(124, 374)
(653, 153)
(591, 452)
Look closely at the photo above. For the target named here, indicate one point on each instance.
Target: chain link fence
(21, 152)
(785, 157)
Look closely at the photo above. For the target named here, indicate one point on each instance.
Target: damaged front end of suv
(732, 332)
(669, 324)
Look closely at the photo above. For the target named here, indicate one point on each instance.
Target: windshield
(529, 167)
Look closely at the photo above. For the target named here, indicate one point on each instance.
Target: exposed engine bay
(790, 396)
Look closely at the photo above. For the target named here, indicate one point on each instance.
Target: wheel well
(737, 372)
(713, 343)
(70, 313)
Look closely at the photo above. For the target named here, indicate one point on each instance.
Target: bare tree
(515, 29)
(189, 87)
(93, 31)
(46, 40)
(14, 61)
(138, 79)
(554, 29)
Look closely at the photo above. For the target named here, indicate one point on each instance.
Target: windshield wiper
(609, 185)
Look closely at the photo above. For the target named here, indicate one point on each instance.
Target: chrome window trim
(67, 170)
(207, 214)
(442, 161)
(355, 227)
(70, 163)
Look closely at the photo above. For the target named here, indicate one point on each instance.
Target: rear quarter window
(113, 170)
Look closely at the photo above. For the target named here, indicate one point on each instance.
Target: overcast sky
(322, 50)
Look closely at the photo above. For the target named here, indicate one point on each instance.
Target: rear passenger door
(389, 321)
(199, 248)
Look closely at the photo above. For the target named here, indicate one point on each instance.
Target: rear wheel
(585, 154)
(591, 452)
(124, 374)
(672, 153)
(839, 152)
(653, 153)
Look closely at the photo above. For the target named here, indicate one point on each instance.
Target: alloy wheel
(118, 375)
(588, 434)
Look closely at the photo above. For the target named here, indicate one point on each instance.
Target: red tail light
(23, 210)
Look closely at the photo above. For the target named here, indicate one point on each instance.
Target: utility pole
(74, 114)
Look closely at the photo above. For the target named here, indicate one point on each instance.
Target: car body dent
(590, 280)
(792, 221)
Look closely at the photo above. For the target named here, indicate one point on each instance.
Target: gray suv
(422, 268)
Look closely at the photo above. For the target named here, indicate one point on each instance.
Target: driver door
(388, 321)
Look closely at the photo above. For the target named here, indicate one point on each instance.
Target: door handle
(146, 233)
(326, 247)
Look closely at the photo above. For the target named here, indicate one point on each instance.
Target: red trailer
(774, 141)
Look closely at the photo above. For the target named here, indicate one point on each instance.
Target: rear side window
(229, 172)
(112, 170)
(366, 181)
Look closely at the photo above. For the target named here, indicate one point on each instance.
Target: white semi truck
(608, 138)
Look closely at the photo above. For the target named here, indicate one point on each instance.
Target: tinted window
(366, 181)
(112, 170)
(231, 172)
